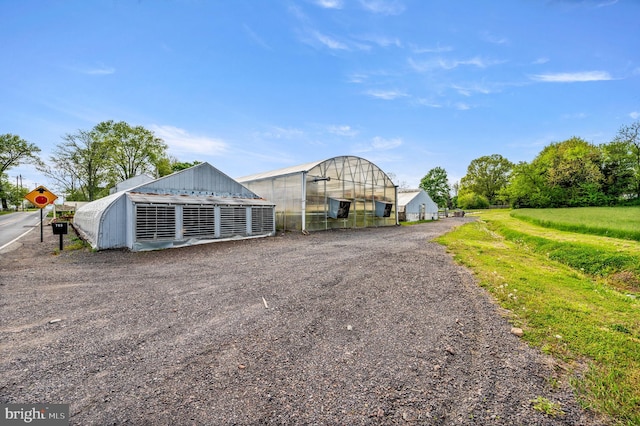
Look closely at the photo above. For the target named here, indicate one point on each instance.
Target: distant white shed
(193, 206)
(416, 204)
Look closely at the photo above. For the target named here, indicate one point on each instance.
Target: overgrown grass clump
(560, 288)
(617, 222)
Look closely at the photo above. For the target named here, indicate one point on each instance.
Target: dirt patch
(357, 327)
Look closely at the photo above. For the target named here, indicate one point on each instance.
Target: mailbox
(59, 228)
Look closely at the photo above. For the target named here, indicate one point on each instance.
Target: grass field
(577, 296)
(618, 222)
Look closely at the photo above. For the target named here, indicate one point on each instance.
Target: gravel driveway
(356, 327)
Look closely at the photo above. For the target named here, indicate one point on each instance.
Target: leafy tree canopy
(436, 184)
(487, 176)
(15, 151)
(133, 150)
(629, 137)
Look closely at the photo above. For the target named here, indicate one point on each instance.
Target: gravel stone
(348, 327)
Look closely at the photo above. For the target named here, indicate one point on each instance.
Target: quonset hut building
(416, 204)
(194, 206)
(341, 192)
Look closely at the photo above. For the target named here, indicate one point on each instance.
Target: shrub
(473, 201)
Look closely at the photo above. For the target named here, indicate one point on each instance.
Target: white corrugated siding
(97, 220)
(109, 222)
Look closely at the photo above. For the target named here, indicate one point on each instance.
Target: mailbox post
(60, 228)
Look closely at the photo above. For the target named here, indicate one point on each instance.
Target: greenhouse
(341, 192)
(194, 206)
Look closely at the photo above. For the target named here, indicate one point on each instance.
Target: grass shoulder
(576, 316)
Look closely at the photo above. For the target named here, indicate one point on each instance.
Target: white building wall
(413, 207)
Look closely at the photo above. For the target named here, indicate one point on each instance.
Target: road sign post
(41, 197)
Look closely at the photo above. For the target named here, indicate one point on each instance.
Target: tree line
(87, 163)
(571, 173)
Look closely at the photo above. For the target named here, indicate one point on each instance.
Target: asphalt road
(15, 225)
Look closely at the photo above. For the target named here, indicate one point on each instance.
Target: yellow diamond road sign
(41, 197)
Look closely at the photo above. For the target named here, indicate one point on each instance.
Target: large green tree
(618, 170)
(573, 172)
(133, 150)
(80, 165)
(436, 184)
(88, 162)
(563, 174)
(487, 176)
(15, 151)
(527, 186)
(629, 137)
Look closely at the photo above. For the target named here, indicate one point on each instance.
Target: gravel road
(356, 327)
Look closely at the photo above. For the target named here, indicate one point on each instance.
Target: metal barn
(341, 192)
(416, 204)
(194, 206)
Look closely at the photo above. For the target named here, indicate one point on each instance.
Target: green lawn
(586, 316)
(619, 222)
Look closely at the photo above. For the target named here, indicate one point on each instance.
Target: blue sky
(256, 85)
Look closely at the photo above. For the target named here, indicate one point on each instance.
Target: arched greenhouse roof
(323, 168)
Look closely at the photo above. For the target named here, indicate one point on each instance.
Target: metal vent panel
(233, 221)
(198, 221)
(155, 222)
(262, 220)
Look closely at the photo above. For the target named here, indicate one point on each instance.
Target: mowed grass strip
(618, 222)
(576, 317)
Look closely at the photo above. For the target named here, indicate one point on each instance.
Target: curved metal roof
(281, 172)
(306, 167)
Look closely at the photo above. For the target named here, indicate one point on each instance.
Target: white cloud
(342, 130)
(382, 144)
(437, 49)
(255, 37)
(572, 77)
(382, 41)
(540, 61)
(98, 70)
(357, 78)
(428, 103)
(462, 106)
(329, 4)
(607, 3)
(282, 133)
(329, 42)
(488, 37)
(635, 115)
(471, 89)
(449, 64)
(181, 141)
(387, 95)
(379, 144)
(385, 7)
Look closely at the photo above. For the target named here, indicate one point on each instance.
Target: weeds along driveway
(370, 326)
